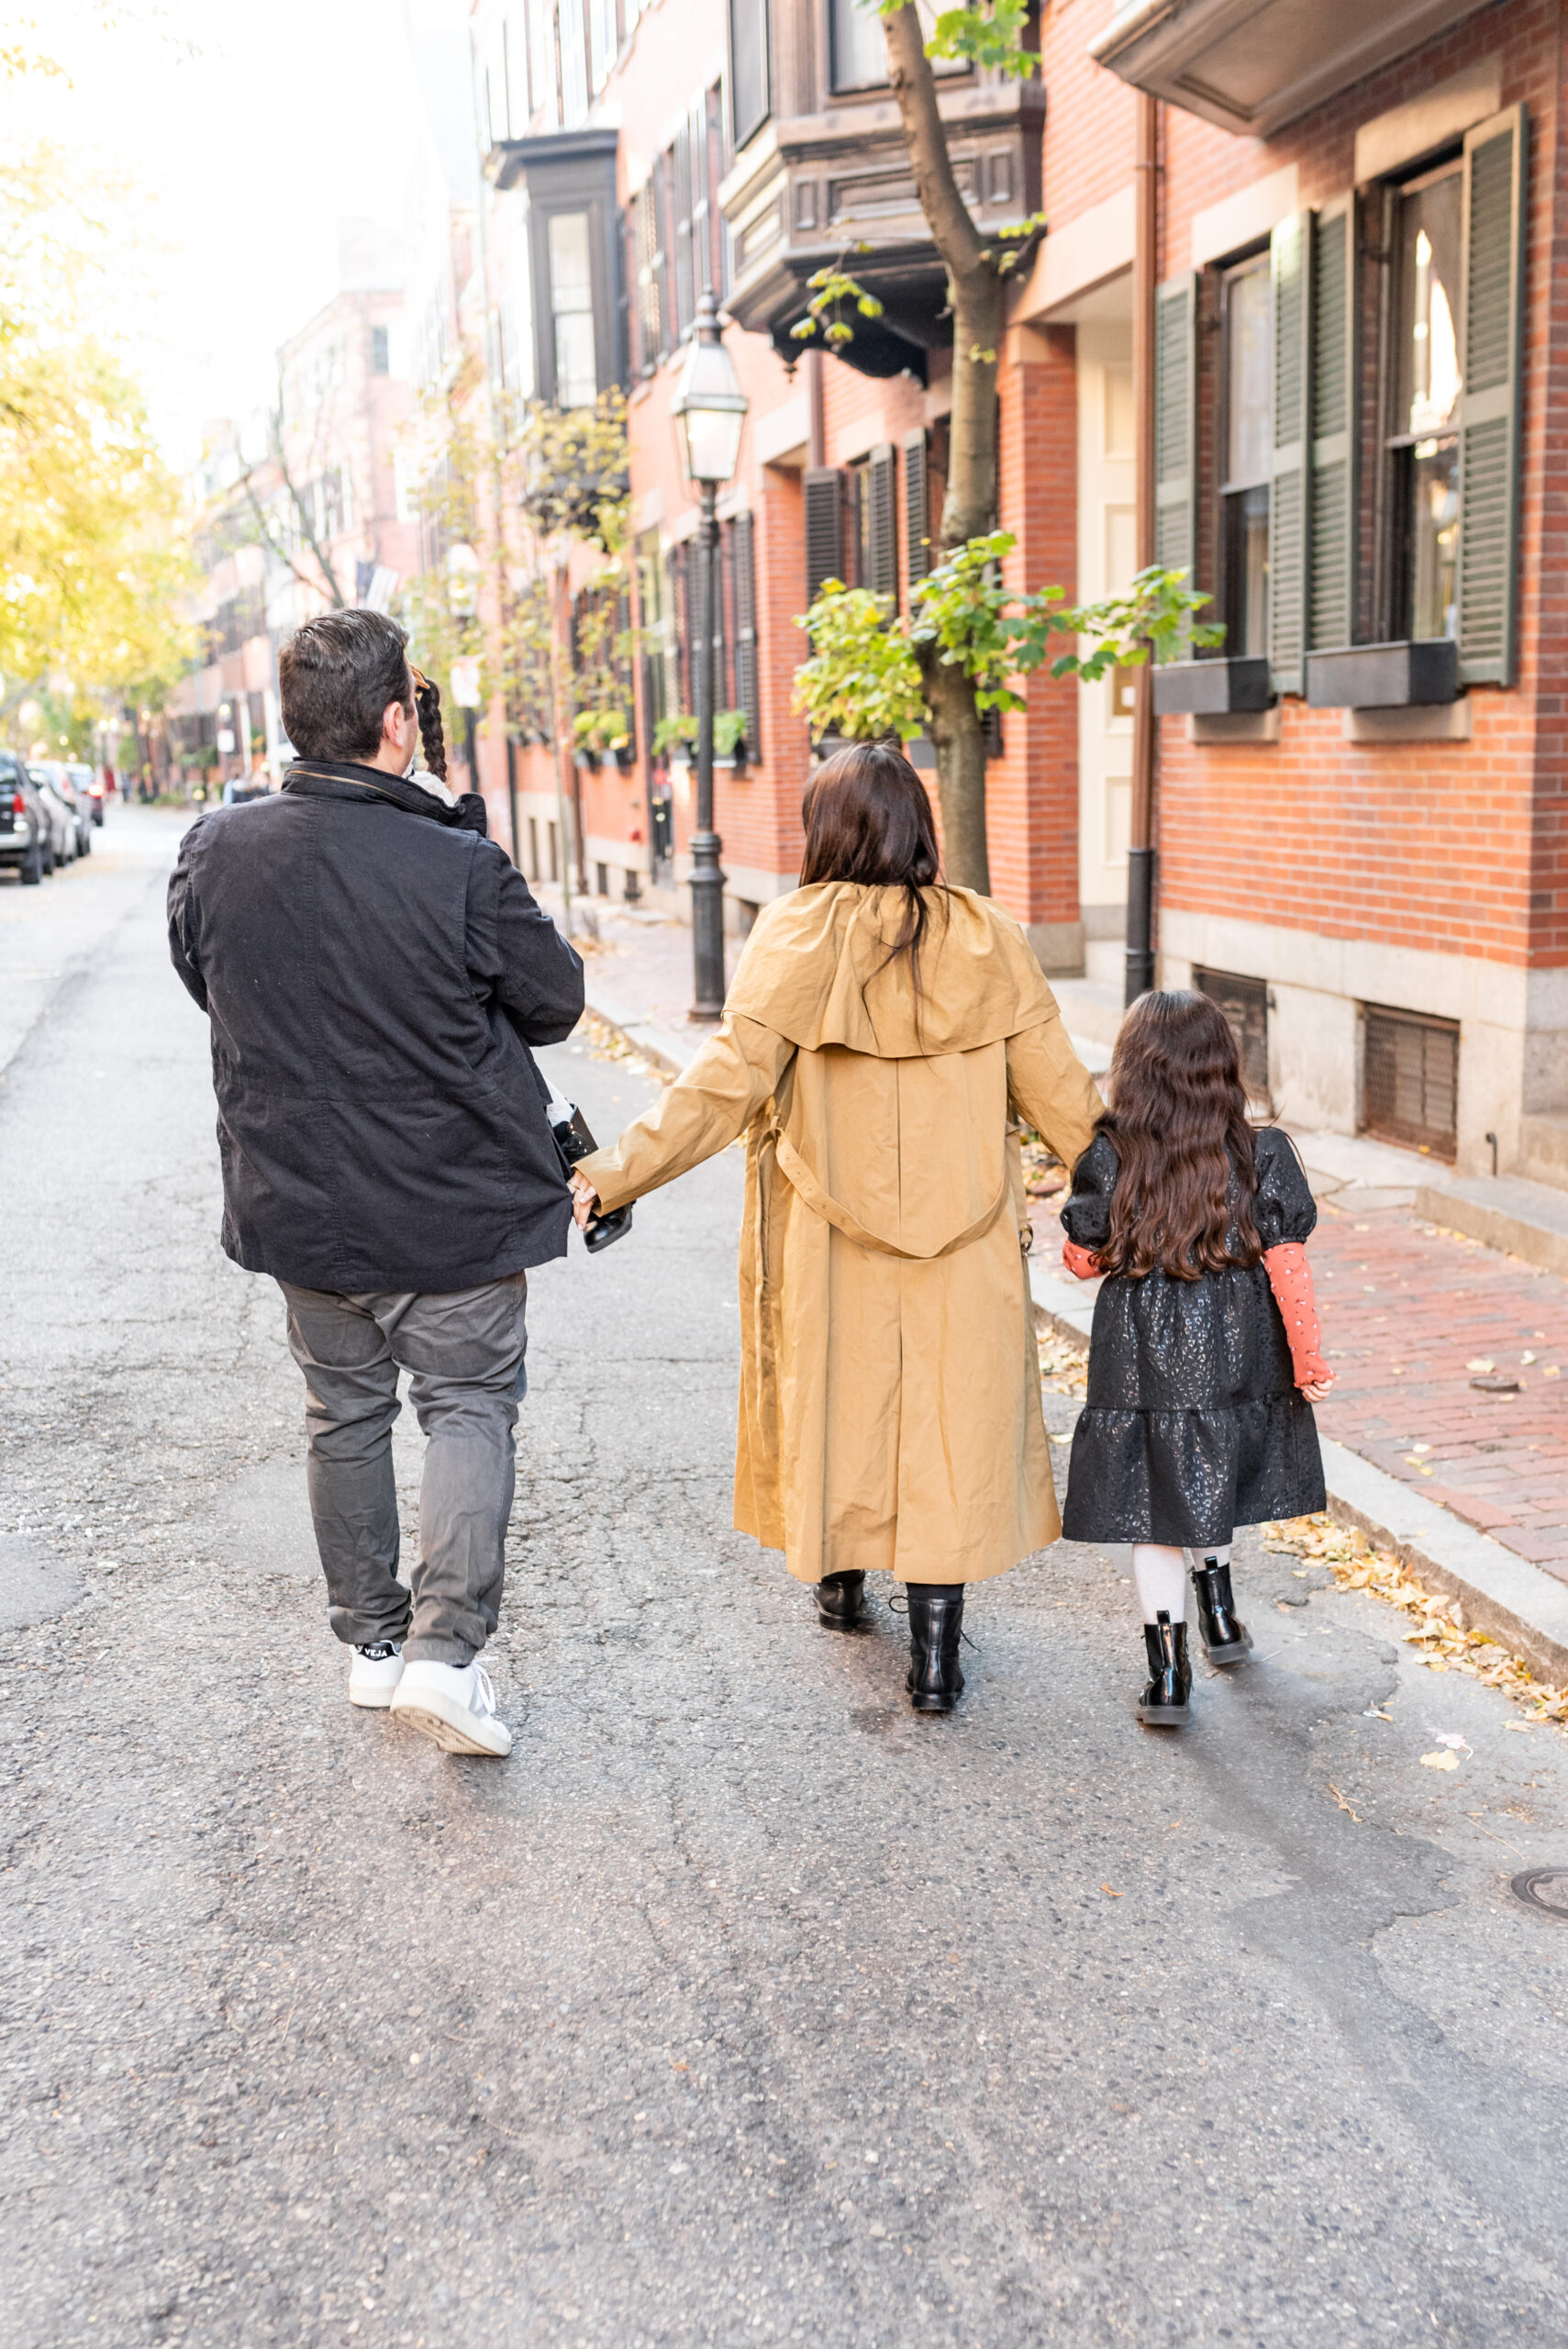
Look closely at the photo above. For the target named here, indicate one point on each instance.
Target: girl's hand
(584, 1199)
(1318, 1392)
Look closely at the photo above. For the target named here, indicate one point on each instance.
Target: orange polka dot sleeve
(1081, 1263)
(1290, 1277)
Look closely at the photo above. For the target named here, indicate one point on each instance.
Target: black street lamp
(709, 409)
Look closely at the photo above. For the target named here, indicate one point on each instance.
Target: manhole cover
(1544, 1889)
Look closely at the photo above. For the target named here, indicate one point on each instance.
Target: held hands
(584, 1199)
(1316, 1390)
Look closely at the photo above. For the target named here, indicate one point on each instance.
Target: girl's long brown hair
(1178, 1117)
(868, 820)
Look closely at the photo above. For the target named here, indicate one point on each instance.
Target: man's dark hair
(336, 676)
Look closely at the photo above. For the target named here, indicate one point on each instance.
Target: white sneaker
(375, 1673)
(454, 1704)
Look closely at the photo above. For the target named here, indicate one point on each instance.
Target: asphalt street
(739, 2006)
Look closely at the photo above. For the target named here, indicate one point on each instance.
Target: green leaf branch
(830, 289)
(864, 679)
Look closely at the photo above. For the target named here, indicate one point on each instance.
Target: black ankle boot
(1226, 1638)
(1164, 1704)
(838, 1601)
(936, 1623)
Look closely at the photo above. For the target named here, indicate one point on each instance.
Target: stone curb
(660, 1046)
(1519, 1605)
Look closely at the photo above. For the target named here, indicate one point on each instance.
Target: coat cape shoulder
(817, 972)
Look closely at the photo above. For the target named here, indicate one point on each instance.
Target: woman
(881, 1035)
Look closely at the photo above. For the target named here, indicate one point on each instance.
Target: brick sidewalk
(1405, 1311)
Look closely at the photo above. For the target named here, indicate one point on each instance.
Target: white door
(1106, 560)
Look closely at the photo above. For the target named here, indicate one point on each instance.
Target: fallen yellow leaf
(1111, 1893)
(1480, 1362)
(1442, 1760)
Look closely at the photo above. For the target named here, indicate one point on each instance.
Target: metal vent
(1245, 1003)
(1410, 1079)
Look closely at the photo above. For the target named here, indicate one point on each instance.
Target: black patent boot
(1226, 1638)
(936, 1625)
(838, 1601)
(1164, 1704)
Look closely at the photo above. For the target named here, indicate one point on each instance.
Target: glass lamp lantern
(709, 407)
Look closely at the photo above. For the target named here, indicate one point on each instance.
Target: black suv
(23, 826)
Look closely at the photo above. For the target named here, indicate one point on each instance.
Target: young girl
(1204, 1363)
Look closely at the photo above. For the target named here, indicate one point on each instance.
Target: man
(374, 972)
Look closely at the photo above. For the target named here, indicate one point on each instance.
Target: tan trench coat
(890, 1412)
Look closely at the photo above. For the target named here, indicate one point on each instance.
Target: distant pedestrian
(1204, 1363)
(374, 972)
(882, 1036)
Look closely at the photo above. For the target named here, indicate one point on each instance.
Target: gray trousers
(464, 1354)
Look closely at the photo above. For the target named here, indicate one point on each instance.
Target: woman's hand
(584, 1199)
(1317, 1391)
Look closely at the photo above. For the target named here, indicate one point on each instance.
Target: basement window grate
(1245, 1003)
(1410, 1079)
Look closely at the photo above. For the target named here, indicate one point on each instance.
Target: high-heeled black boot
(1164, 1704)
(1226, 1638)
(838, 1601)
(936, 1624)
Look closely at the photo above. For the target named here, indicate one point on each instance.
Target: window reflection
(1248, 438)
(572, 307)
(1423, 443)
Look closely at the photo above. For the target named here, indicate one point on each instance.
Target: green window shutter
(1493, 305)
(1291, 278)
(916, 507)
(881, 518)
(1331, 503)
(824, 528)
(1176, 424)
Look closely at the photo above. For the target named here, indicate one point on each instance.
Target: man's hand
(584, 1199)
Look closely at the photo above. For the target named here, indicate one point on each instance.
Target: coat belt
(801, 1179)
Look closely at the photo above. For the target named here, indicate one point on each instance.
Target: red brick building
(1360, 333)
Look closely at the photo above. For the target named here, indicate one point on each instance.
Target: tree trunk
(969, 506)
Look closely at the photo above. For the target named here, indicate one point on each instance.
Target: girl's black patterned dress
(1192, 1424)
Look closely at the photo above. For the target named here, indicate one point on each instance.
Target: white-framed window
(570, 248)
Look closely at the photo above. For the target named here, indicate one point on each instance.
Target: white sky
(250, 126)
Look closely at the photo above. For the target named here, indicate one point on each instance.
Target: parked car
(46, 779)
(23, 826)
(80, 804)
(89, 780)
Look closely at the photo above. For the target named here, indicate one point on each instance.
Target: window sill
(1415, 674)
(1214, 728)
(1441, 721)
(1212, 688)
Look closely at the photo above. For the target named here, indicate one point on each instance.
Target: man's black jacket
(374, 973)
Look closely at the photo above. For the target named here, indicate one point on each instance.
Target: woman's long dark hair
(432, 740)
(868, 820)
(1178, 1116)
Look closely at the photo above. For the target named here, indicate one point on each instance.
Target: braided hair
(427, 701)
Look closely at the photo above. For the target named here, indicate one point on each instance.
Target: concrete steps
(1543, 1148)
(1506, 1211)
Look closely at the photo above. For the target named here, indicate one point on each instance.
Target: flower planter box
(1384, 676)
(1212, 688)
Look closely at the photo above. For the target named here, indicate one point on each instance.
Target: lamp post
(464, 677)
(709, 409)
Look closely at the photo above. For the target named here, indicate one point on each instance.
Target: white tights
(1160, 1575)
